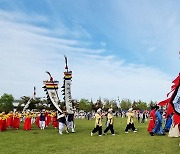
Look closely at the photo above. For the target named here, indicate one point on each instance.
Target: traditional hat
(130, 109)
(99, 110)
(109, 110)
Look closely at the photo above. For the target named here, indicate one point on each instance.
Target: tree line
(6, 104)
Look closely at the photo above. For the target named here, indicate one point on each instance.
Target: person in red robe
(48, 118)
(9, 122)
(3, 122)
(152, 119)
(37, 120)
(54, 120)
(27, 122)
(16, 121)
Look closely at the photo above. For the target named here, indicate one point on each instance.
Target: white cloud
(27, 51)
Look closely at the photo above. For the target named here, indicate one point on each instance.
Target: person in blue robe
(158, 124)
(168, 123)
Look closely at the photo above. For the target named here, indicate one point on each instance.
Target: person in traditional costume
(98, 123)
(158, 124)
(48, 118)
(130, 123)
(62, 123)
(54, 120)
(110, 122)
(3, 125)
(16, 121)
(37, 120)
(70, 122)
(152, 119)
(168, 123)
(27, 121)
(9, 122)
(42, 121)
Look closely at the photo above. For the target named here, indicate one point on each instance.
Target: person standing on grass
(3, 118)
(143, 117)
(138, 116)
(152, 120)
(98, 123)
(70, 122)
(110, 122)
(62, 123)
(158, 124)
(27, 121)
(130, 123)
(16, 121)
(54, 120)
(42, 121)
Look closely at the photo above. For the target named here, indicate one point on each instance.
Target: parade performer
(158, 124)
(16, 121)
(98, 123)
(54, 120)
(168, 123)
(110, 122)
(2, 122)
(48, 118)
(42, 121)
(27, 122)
(70, 122)
(152, 119)
(130, 123)
(37, 120)
(9, 122)
(62, 123)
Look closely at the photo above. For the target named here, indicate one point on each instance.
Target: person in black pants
(130, 123)
(110, 122)
(98, 123)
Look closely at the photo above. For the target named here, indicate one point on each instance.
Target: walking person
(98, 123)
(158, 124)
(130, 123)
(152, 120)
(110, 122)
(62, 123)
(42, 121)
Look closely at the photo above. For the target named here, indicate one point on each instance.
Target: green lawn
(48, 141)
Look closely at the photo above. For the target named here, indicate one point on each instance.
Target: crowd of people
(156, 121)
(65, 121)
(42, 120)
(110, 122)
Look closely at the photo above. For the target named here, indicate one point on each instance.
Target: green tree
(141, 105)
(6, 103)
(114, 105)
(125, 104)
(151, 104)
(107, 104)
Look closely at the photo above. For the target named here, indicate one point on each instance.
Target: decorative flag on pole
(173, 100)
(51, 88)
(30, 99)
(66, 89)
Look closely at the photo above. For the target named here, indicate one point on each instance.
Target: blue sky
(115, 48)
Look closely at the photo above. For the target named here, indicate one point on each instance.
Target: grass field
(48, 141)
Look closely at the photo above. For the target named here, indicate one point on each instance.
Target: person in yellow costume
(98, 123)
(130, 123)
(110, 122)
